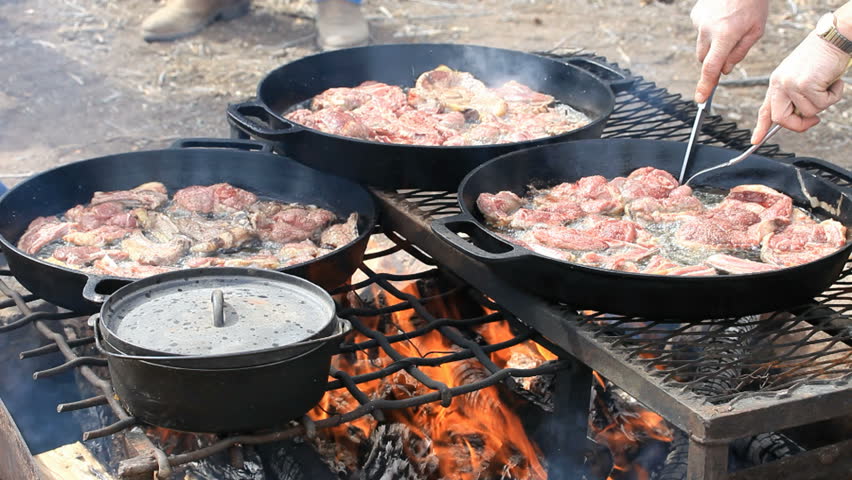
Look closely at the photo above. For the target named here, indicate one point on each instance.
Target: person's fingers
(797, 123)
(702, 45)
(764, 121)
(802, 105)
(711, 69)
(834, 93)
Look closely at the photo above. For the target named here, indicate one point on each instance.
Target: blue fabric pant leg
(2, 188)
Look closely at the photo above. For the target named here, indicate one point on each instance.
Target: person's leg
(179, 18)
(341, 24)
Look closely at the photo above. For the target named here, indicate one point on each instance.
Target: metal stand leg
(707, 462)
(571, 407)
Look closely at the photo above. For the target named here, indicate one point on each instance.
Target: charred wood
(674, 466)
(389, 455)
(765, 448)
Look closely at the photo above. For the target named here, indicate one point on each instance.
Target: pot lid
(220, 313)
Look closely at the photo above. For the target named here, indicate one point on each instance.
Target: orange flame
(476, 436)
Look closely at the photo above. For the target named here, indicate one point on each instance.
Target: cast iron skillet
(653, 296)
(232, 161)
(408, 166)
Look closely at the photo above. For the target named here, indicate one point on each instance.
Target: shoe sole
(225, 14)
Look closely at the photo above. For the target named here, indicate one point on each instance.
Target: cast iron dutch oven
(188, 162)
(654, 296)
(220, 350)
(580, 82)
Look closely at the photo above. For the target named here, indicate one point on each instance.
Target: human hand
(803, 85)
(727, 29)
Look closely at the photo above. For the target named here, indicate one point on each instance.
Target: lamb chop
(498, 208)
(286, 223)
(255, 261)
(525, 218)
(804, 242)
(218, 198)
(210, 236)
(98, 237)
(568, 239)
(516, 94)
(340, 234)
(147, 252)
(151, 195)
(659, 265)
(648, 210)
(608, 228)
(444, 89)
(647, 182)
(593, 194)
(109, 213)
(79, 256)
(42, 231)
(128, 269)
(298, 252)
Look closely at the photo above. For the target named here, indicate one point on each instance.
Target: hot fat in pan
(648, 223)
(140, 232)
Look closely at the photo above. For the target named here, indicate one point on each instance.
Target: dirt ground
(78, 81)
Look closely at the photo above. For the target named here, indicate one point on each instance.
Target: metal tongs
(739, 158)
(703, 111)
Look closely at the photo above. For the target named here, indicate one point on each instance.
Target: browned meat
(218, 198)
(42, 231)
(110, 213)
(128, 269)
(293, 253)
(730, 264)
(285, 224)
(455, 91)
(802, 243)
(150, 195)
(497, 208)
(98, 237)
(85, 255)
(156, 224)
(198, 262)
(339, 122)
(342, 98)
(340, 234)
(213, 235)
(147, 252)
(255, 261)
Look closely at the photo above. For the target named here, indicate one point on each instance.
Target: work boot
(180, 18)
(340, 24)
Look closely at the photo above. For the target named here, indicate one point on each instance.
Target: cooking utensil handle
(230, 143)
(448, 229)
(616, 79)
(239, 113)
(217, 299)
(95, 283)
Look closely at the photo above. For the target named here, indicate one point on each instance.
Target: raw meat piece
(293, 253)
(110, 213)
(734, 265)
(302, 116)
(146, 252)
(525, 218)
(659, 265)
(802, 243)
(340, 234)
(128, 269)
(342, 98)
(568, 239)
(774, 203)
(663, 210)
(285, 223)
(593, 194)
(648, 182)
(151, 195)
(384, 96)
(99, 236)
(85, 255)
(514, 92)
(453, 90)
(199, 262)
(532, 244)
(42, 231)
(611, 262)
(498, 207)
(615, 229)
(339, 122)
(218, 198)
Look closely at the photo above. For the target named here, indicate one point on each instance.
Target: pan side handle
(448, 230)
(229, 143)
(97, 289)
(240, 116)
(832, 173)
(617, 79)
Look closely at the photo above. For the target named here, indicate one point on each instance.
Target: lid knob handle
(218, 300)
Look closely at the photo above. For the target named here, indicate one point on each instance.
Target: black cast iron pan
(581, 83)
(233, 161)
(653, 296)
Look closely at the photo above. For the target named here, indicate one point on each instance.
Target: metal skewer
(703, 111)
(739, 158)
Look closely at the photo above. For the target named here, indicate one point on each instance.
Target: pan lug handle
(240, 117)
(842, 178)
(97, 289)
(617, 79)
(229, 143)
(448, 229)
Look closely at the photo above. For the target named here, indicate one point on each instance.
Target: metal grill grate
(457, 330)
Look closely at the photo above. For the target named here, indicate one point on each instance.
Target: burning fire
(476, 437)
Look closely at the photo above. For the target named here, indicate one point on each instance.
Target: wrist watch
(826, 30)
